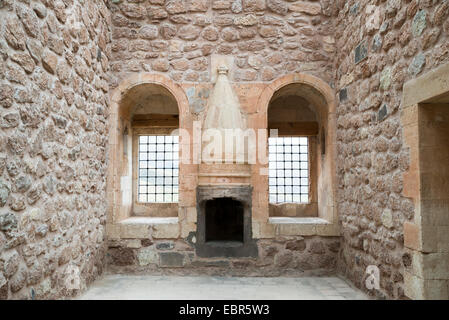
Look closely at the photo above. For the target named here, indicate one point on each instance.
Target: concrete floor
(127, 287)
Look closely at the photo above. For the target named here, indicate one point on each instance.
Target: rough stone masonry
(54, 105)
(60, 59)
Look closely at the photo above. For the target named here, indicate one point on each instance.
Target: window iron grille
(158, 180)
(288, 169)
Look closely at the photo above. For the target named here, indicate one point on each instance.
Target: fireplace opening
(224, 221)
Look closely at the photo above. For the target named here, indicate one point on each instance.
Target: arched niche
(146, 105)
(303, 105)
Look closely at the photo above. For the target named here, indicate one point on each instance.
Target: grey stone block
(171, 259)
(361, 52)
(165, 246)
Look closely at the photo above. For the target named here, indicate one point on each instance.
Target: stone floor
(127, 287)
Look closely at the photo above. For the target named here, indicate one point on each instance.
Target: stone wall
(294, 255)
(267, 38)
(155, 238)
(379, 48)
(265, 44)
(53, 111)
(54, 89)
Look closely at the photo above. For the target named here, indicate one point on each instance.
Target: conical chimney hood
(224, 107)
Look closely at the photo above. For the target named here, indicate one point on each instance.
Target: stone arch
(150, 79)
(317, 86)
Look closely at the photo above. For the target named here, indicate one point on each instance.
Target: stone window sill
(303, 226)
(150, 220)
(297, 220)
(145, 228)
(155, 210)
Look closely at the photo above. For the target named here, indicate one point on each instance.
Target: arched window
(149, 120)
(300, 181)
(292, 153)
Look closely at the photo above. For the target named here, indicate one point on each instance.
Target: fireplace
(224, 222)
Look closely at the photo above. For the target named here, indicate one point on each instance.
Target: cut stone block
(171, 259)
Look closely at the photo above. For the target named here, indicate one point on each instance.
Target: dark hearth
(224, 222)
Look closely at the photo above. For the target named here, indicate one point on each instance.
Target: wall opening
(149, 163)
(425, 119)
(155, 118)
(434, 157)
(224, 227)
(434, 177)
(294, 162)
(224, 220)
(427, 236)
